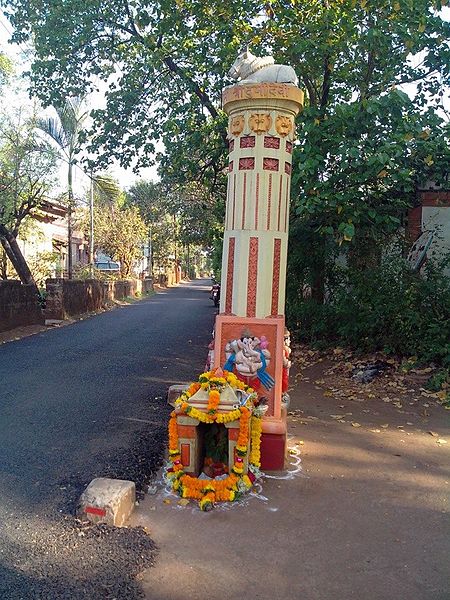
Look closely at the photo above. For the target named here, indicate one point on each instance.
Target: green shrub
(389, 308)
(84, 272)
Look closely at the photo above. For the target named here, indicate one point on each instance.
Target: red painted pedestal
(273, 451)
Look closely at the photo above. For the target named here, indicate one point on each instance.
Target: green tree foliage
(186, 216)
(166, 62)
(120, 231)
(6, 69)
(65, 131)
(27, 171)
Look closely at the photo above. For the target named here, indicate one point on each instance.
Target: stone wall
(67, 298)
(18, 305)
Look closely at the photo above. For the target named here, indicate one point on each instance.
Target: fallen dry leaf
(354, 424)
(337, 416)
(183, 502)
(385, 425)
(167, 501)
(422, 371)
(441, 441)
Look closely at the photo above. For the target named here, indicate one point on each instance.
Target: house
(429, 220)
(45, 235)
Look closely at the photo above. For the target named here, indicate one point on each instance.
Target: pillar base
(273, 451)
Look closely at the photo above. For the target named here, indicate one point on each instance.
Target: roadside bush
(83, 272)
(387, 308)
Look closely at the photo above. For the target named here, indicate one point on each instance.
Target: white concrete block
(109, 501)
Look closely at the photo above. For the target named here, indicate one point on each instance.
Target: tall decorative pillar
(261, 131)
(261, 134)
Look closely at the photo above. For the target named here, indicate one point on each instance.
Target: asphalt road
(78, 402)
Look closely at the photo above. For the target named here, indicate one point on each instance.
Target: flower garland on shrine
(208, 492)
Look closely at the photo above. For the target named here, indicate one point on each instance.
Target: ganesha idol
(249, 358)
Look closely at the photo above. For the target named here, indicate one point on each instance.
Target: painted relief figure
(249, 357)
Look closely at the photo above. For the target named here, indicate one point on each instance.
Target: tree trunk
(69, 222)
(319, 271)
(188, 260)
(15, 255)
(3, 264)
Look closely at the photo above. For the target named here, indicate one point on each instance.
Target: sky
(17, 95)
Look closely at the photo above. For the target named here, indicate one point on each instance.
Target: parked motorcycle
(215, 294)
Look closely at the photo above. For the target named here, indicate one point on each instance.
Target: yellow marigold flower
(247, 481)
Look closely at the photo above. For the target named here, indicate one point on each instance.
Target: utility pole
(150, 253)
(91, 227)
(177, 277)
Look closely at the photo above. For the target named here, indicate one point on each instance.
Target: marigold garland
(213, 401)
(208, 492)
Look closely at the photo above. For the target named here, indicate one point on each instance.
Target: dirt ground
(361, 512)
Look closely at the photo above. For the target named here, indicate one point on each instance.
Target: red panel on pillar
(273, 451)
(269, 201)
(247, 141)
(276, 275)
(257, 201)
(233, 434)
(252, 277)
(186, 431)
(230, 276)
(185, 454)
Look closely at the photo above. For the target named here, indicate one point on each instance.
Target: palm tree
(64, 130)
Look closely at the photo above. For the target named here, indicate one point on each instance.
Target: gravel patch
(43, 557)
(71, 560)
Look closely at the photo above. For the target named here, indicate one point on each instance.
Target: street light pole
(91, 227)
(150, 253)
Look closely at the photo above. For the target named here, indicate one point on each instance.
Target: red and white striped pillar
(261, 133)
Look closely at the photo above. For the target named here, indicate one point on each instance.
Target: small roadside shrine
(232, 421)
